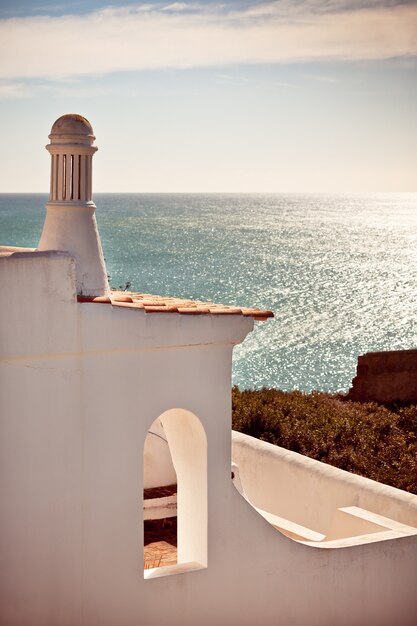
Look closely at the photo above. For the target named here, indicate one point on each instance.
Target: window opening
(64, 177)
(72, 177)
(175, 495)
(79, 178)
(159, 501)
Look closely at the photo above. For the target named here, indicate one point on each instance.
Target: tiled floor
(160, 543)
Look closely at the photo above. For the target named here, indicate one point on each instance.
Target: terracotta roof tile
(220, 309)
(161, 309)
(122, 298)
(170, 304)
(102, 299)
(193, 310)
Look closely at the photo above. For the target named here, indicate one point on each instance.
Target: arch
(188, 446)
(158, 469)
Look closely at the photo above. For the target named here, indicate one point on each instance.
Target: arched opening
(159, 500)
(187, 444)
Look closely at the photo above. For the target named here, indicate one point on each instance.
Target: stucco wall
(80, 386)
(309, 492)
(386, 377)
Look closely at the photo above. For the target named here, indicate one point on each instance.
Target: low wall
(309, 492)
(386, 377)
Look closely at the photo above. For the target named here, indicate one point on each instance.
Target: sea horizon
(339, 270)
(240, 193)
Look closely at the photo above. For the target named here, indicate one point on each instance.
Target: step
(291, 529)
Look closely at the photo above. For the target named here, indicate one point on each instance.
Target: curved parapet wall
(386, 377)
(314, 496)
(317, 504)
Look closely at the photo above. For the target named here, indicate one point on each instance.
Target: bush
(369, 439)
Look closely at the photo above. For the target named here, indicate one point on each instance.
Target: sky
(239, 96)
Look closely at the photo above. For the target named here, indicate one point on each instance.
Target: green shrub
(369, 439)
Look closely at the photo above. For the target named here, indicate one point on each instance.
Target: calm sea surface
(339, 271)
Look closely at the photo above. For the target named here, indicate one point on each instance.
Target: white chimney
(70, 223)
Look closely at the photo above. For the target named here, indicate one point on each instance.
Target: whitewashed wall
(309, 492)
(80, 386)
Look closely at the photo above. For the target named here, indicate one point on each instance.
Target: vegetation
(373, 440)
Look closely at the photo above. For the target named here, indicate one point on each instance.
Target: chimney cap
(72, 129)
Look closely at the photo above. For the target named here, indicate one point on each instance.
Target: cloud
(197, 35)
(242, 80)
(330, 80)
(177, 6)
(14, 90)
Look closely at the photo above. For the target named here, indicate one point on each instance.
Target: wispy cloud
(179, 6)
(320, 78)
(242, 80)
(14, 90)
(65, 87)
(181, 35)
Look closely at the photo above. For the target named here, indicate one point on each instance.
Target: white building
(307, 544)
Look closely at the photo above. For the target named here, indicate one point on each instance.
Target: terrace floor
(160, 543)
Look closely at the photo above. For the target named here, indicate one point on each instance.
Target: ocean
(339, 271)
